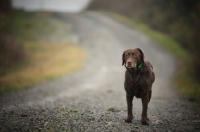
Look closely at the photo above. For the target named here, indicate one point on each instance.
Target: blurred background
(51, 5)
(36, 45)
(25, 24)
(179, 19)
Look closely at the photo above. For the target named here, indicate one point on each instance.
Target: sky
(51, 5)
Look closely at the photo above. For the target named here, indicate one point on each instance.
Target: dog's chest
(136, 87)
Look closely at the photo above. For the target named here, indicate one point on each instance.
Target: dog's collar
(139, 66)
(132, 70)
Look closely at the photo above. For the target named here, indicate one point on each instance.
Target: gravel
(93, 99)
(75, 118)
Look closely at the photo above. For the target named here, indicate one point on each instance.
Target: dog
(139, 77)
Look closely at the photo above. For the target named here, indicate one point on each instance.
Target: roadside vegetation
(32, 50)
(173, 24)
(184, 79)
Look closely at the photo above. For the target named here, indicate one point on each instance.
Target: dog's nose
(129, 63)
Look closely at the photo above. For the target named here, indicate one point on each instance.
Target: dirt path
(93, 99)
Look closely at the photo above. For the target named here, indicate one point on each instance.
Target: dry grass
(46, 61)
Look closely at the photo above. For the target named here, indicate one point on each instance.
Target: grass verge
(184, 79)
(35, 47)
(45, 61)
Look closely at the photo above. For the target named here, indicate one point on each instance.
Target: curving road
(97, 90)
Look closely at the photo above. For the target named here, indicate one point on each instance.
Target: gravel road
(93, 99)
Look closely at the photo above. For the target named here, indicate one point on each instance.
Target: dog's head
(133, 58)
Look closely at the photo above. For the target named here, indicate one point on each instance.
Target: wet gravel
(93, 99)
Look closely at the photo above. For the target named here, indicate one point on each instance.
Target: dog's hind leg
(150, 92)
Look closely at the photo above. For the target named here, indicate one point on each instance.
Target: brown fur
(138, 81)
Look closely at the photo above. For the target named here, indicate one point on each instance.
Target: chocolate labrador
(139, 78)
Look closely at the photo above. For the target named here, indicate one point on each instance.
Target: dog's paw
(145, 122)
(128, 121)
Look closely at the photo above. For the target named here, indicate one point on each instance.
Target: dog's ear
(123, 58)
(142, 54)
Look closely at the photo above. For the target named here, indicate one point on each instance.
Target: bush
(11, 54)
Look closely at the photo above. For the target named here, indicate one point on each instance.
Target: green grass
(27, 26)
(184, 79)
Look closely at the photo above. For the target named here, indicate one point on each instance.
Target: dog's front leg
(129, 99)
(145, 100)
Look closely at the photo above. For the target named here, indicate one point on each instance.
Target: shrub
(11, 53)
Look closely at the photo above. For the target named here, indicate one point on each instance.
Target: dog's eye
(135, 54)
